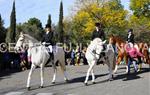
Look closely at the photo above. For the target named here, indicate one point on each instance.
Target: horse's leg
(65, 76)
(135, 66)
(116, 68)
(110, 67)
(29, 76)
(127, 69)
(118, 61)
(129, 63)
(110, 73)
(149, 62)
(140, 64)
(54, 75)
(88, 72)
(42, 72)
(93, 76)
(126, 61)
(63, 68)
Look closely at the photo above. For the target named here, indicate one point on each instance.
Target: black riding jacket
(98, 34)
(48, 38)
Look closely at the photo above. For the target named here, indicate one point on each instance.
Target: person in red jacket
(133, 55)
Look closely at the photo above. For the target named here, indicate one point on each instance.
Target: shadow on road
(131, 76)
(82, 79)
(6, 74)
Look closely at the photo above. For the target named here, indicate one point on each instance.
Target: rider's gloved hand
(43, 43)
(104, 41)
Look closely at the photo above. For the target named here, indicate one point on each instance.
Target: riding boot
(52, 56)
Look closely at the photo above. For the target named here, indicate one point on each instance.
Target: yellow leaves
(113, 4)
(140, 3)
(81, 16)
(85, 18)
(89, 26)
(140, 7)
(115, 18)
(142, 21)
(94, 8)
(133, 19)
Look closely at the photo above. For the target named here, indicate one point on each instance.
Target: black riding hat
(97, 24)
(130, 30)
(47, 26)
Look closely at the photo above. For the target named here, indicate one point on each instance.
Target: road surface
(134, 84)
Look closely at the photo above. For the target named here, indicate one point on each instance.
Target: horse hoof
(67, 80)
(53, 82)
(110, 79)
(112, 76)
(40, 86)
(94, 82)
(85, 84)
(28, 88)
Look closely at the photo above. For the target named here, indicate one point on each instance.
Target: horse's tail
(61, 59)
(62, 65)
(111, 59)
(114, 62)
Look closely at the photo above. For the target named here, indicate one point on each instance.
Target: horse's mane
(97, 40)
(31, 38)
(117, 39)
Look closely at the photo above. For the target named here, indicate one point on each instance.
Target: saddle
(51, 54)
(102, 55)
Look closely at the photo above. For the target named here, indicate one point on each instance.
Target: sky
(40, 9)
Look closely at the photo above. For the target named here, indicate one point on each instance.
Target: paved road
(134, 84)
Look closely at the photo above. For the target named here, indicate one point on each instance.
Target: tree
(141, 27)
(49, 21)
(35, 21)
(12, 30)
(2, 31)
(140, 19)
(140, 7)
(60, 24)
(32, 27)
(110, 13)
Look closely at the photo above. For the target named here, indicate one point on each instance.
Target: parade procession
(74, 47)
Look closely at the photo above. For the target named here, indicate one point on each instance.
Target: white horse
(39, 57)
(93, 54)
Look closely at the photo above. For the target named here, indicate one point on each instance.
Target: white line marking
(14, 93)
(45, 94)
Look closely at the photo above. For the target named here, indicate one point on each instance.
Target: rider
(48, 39)
(98, 32)
(130, 37)
(130, 42)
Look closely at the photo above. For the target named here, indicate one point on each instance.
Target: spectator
(78, 55)
(73, 57)
(84, 58)
(23, 57)
(6, 61)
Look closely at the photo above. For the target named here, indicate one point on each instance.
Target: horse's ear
(21, 35)
(104, 42)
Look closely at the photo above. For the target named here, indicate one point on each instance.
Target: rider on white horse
(99, 33)
(48, 40)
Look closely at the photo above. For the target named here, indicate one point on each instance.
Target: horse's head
(25, 41)
(22, 43)
(19, 44)
(99, 45)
